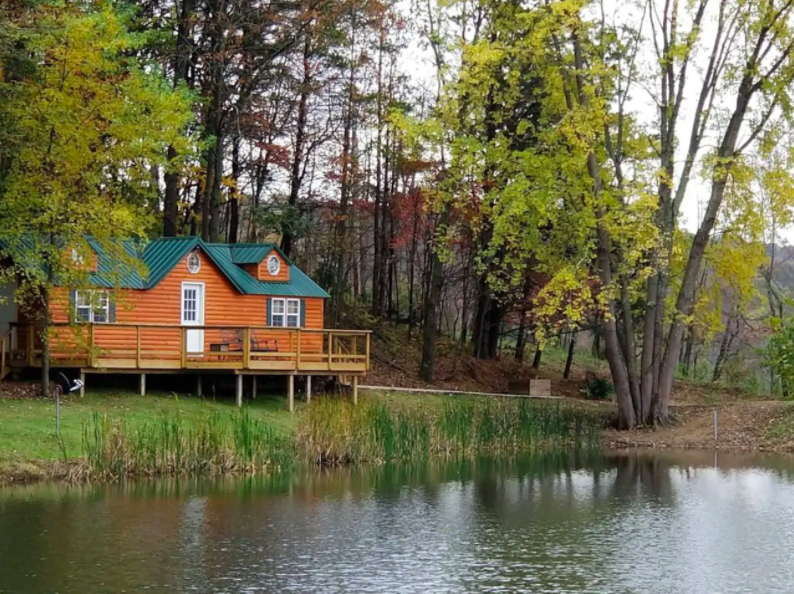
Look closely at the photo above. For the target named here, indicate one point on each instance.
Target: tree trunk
(344, 200)
(206, 198)
(235, 195)
(171, 204)
(45, 343)
(379, 255)
(569, 360)
(215, 197)
(597, 334)
(521, 339)
(629, 351)
(690, 344)
(181, 70)
(627, 417)
(495, 316)
(725, 347)
(685, 302)
(210, 227)
(296, 179)
(479, 332)
(431, 312)
(647, 359)
(411, 273)
(536, 359)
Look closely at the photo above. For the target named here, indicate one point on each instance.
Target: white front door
(193, 315)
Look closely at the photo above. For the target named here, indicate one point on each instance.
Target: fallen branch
(454, 392)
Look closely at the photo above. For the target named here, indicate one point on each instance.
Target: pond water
(689, 522)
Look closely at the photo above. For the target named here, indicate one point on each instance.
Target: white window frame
(270, 259)
(97, 301)
(196, 259)
(199, 304)
(296, 315)
(284, 316)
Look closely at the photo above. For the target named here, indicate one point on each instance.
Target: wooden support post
(183, 346)
(298, 352)
(198, 385)
(330, 348)
(253, 387)
(368, 335)
(91, 346)
(143, 384)
(239, 390)
(247, 348)
(308, 388)
(82, 386)
(138, 346)
(355, 389)
(291, 390)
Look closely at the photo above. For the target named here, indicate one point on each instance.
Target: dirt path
(751, 425)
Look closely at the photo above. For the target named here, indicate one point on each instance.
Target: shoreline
(111, 437)
(114, 436)
(22, 474)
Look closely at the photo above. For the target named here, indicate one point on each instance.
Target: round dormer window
(273, 265)
(77, 257)
(193, 263)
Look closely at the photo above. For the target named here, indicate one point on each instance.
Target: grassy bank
(109, 435)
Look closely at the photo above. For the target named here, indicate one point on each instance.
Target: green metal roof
(111, 273)
(159, 256)
(249, 253)
(224, 255)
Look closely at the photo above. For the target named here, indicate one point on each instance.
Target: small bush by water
(336, 432)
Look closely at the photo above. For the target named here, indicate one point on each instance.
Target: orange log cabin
(190, 306)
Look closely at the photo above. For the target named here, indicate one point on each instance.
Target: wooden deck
(161, 348)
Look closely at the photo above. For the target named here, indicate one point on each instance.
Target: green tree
(86, 125)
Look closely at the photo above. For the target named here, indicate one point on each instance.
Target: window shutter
(112, 304)
(269, 311)
(73, 304)
(302, 305)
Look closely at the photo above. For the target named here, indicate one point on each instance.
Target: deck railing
(160, 346)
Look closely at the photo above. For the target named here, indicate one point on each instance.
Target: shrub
(597, 388)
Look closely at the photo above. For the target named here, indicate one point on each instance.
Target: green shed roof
(249, 253)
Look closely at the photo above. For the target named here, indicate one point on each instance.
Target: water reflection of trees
(508, 513)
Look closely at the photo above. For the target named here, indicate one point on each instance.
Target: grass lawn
(27, 427)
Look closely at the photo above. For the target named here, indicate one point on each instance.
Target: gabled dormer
(262, 261)
(274, 268)
(82, 257)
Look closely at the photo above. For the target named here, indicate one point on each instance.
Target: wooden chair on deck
(233, 339)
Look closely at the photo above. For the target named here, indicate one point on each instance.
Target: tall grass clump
(172, 445)
(336, 432)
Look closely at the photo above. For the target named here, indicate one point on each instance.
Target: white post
(239, 390)
(308, 388)
(253, 387)
(82, 382)
(291, 390)
(198, 385)
(355, 389)
(143, 384)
